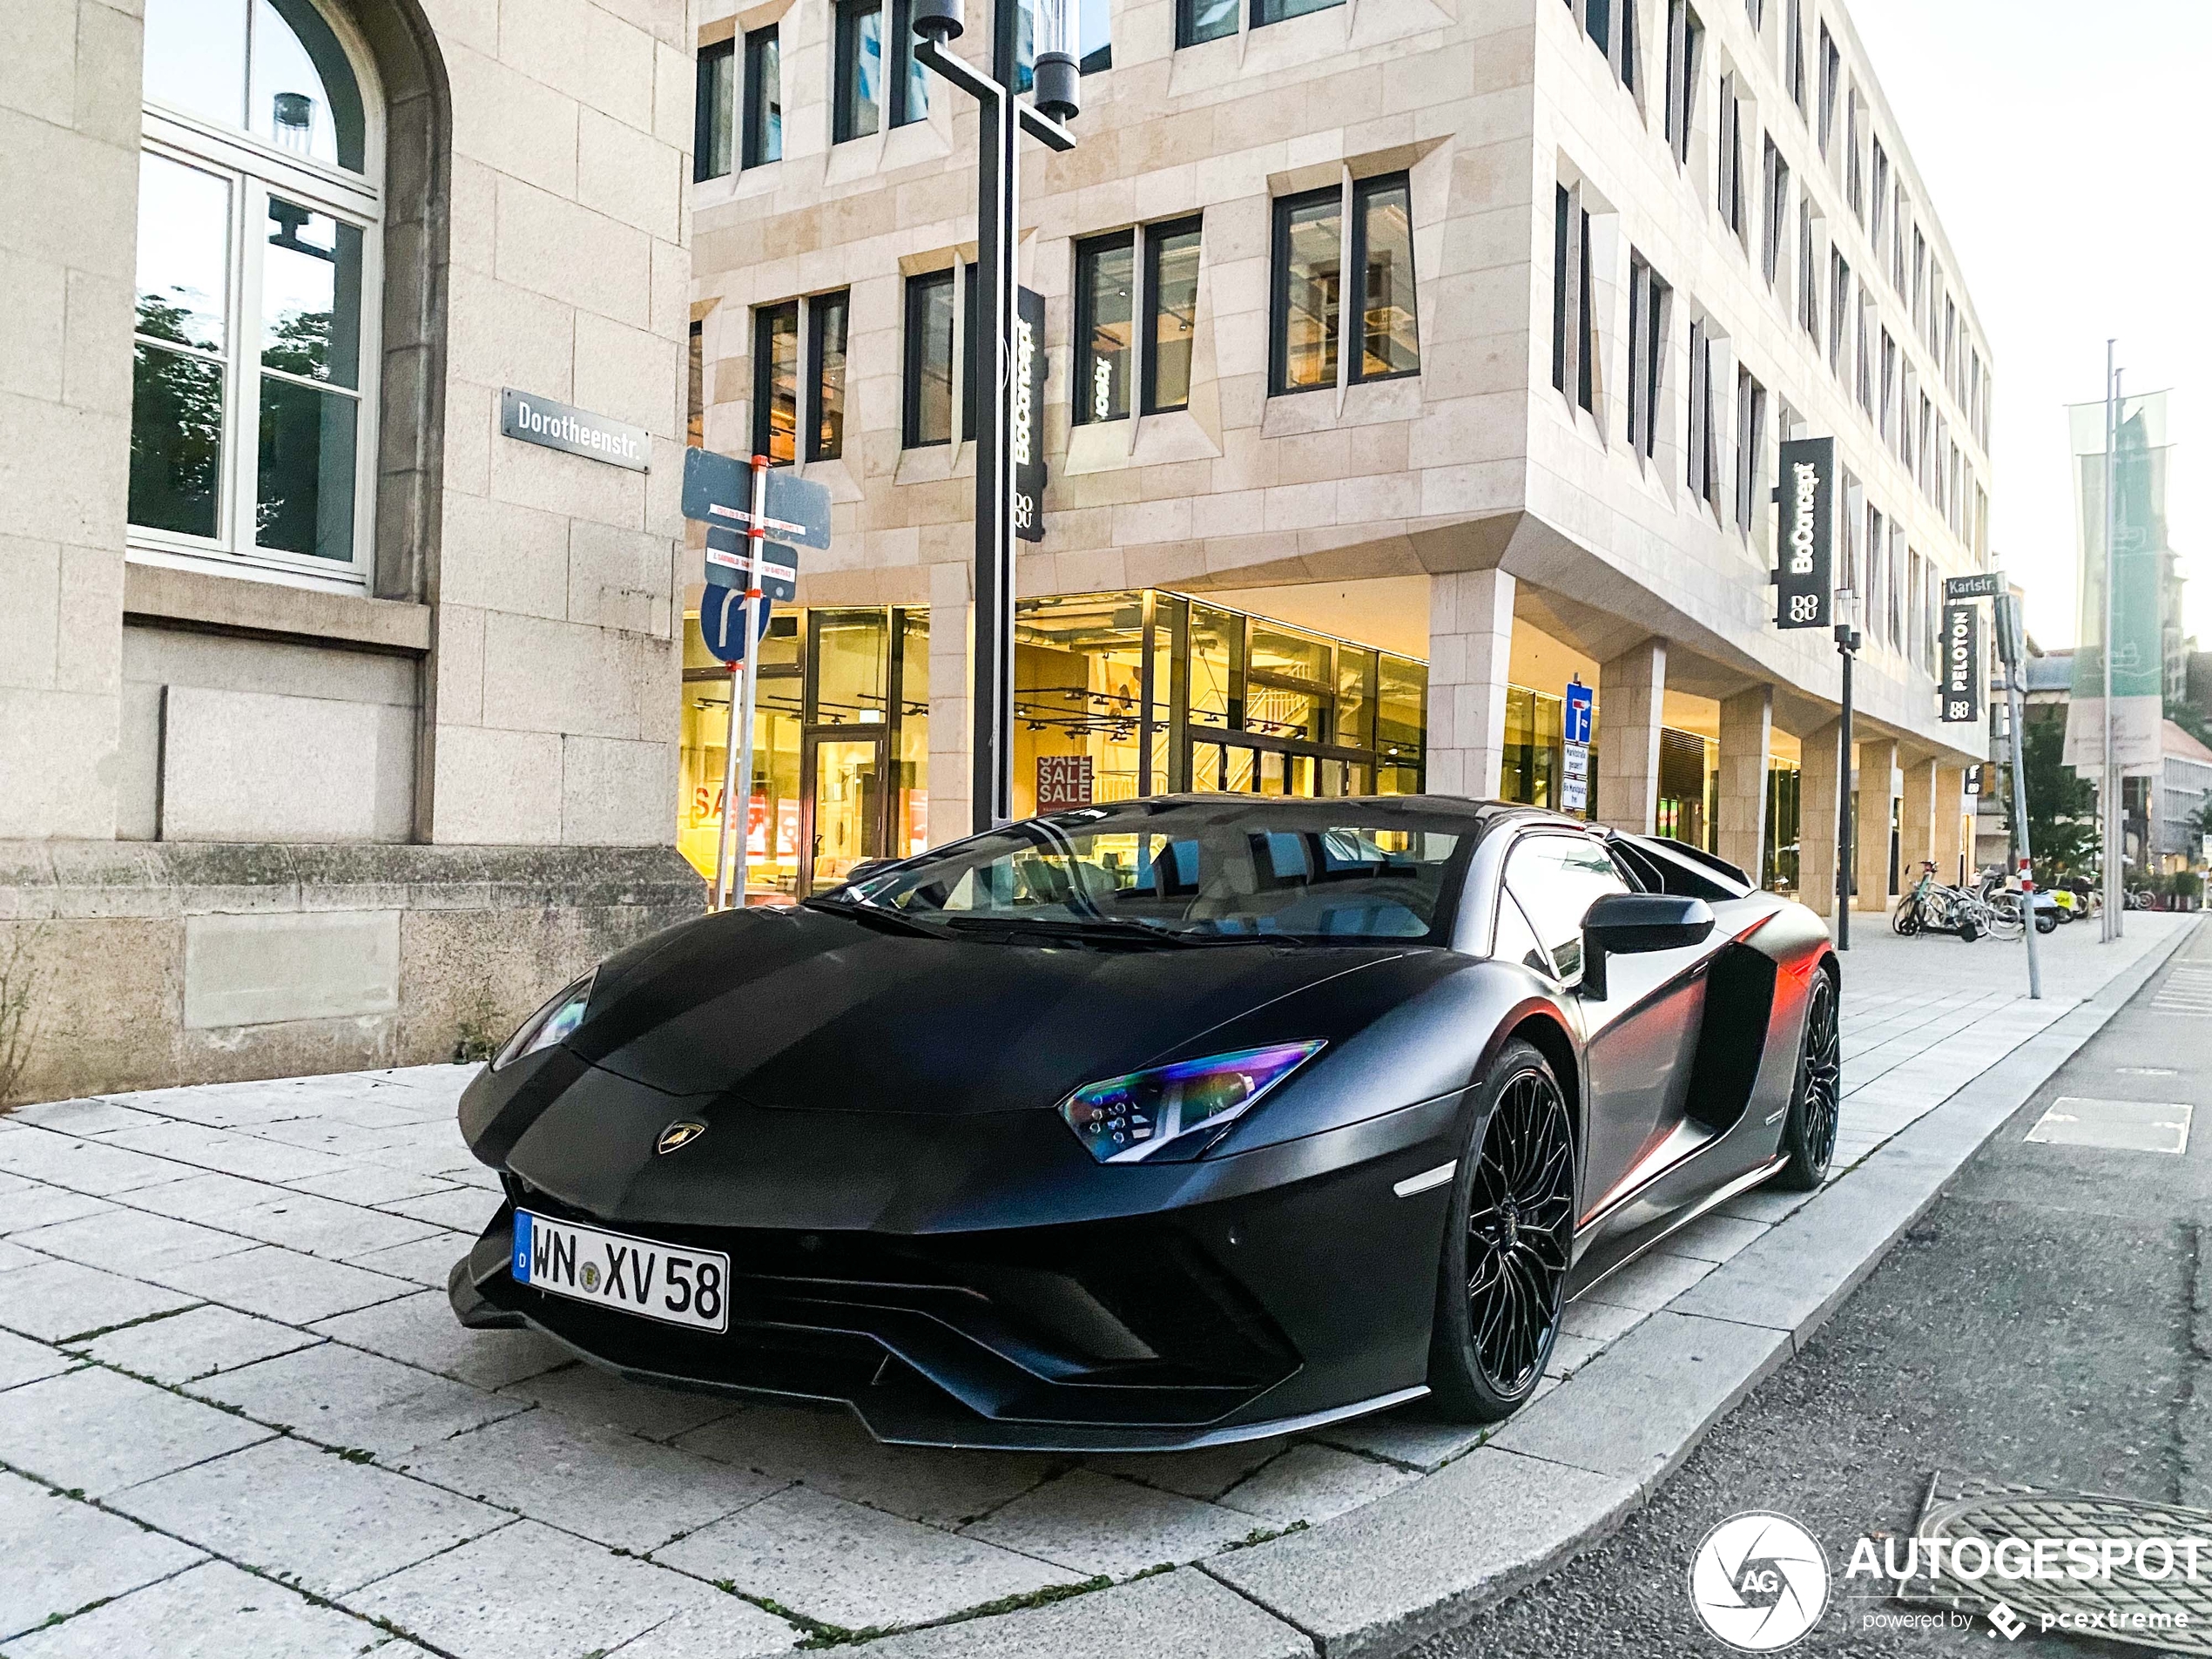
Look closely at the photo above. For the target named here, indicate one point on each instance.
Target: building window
(1886, 416)
(1838, 310)
(1793, 54)
(1854, 167)
(1115, 353)
(1574, 317)
(1310, 257)
(695, 388)
(775, 382)
(1685, 36)
(1831, 75)
(928, 416)
(1171, 305)
(713, 112)
(1879, 184)
(828, 318)
(1751, 444)
(1807, 272)
(1775, 210)
(1382, 263)
(1105, 325)
(1611, 26)
(1267, 12)
(1733, 210)
(253, 409)
(863, 86)
(1702, 468)
(1199, 20)
(764, 99)
(1862, 359)
(1900, 220)
(1647, 301)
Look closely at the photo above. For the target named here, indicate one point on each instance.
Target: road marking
(2115, 1125)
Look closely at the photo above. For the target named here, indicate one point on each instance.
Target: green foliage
(477, 1039)
(2062, 807)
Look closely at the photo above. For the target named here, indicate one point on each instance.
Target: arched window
(253, 399)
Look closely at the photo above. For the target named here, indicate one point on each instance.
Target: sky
(2068, 147)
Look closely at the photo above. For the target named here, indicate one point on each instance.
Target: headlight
(550, 1023)
(1124, 1119)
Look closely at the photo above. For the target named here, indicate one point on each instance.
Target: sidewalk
(235, 1408)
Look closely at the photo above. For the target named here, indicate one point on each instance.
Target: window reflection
(1105, 302)
(311, 295)
(1173, 301)
(1310, 268)
(1390, 342)
(775, 382)
(860, 69)
(183, 252)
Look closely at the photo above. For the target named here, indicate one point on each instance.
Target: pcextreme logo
(1759, 1582)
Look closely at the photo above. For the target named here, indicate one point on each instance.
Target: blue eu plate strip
(521, 1247)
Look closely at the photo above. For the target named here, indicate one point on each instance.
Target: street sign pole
(756, 532)
(2004, 618)
(728, 792)
(2109, 795)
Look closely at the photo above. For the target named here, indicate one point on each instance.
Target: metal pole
(2114, 848)
(1844, 793)
(2026, 865)
(729, 794)
(997, 236)
(756, 533)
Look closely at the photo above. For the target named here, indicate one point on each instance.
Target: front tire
(1508, 1239)
(1808, 1133)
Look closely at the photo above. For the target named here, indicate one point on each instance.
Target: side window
(1556, 878)
(1515, 942)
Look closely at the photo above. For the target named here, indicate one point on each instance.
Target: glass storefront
(1689, 806)
(1779, 863)
(1115, 695)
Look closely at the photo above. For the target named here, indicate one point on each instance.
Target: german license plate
(613, 1269)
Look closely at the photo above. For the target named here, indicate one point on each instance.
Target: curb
(1569, 1469)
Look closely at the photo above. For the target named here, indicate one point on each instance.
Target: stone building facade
(334, 726)
(1467, 328)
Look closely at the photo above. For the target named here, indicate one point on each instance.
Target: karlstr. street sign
(1984, 584)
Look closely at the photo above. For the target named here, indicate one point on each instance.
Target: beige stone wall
(1476, 462)
(68, 187)
(552, 683)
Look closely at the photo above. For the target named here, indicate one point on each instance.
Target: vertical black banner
(1961, 661)
(1028, 436)
(1805, 534)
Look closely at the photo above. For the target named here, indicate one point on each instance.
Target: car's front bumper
(1283, 1306)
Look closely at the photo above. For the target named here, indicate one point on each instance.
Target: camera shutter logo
(1759, 1582)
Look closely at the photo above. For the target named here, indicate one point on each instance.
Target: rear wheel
(1503, 1279)
(1808, 1133)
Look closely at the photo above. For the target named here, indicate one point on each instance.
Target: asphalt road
(2048, 1321)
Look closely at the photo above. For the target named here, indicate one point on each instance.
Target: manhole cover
(2164, 1610)
(2117, 1125)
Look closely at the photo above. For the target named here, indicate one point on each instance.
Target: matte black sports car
(1156, 1125)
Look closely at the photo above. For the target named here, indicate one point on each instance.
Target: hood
(800, 1008)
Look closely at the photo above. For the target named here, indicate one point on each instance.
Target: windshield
(1217, 870)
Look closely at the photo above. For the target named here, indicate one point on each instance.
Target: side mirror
(1623, 923)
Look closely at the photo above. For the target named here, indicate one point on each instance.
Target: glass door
(847, 806)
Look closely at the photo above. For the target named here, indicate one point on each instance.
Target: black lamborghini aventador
(1155, 1124)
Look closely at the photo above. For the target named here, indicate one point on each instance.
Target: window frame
(912, 346)
(1148, 314)
(847, 18)
(1685, 46)
(1573, 311)
(753, 137)
(1750, 445)
(1351, 196)
(254, 169)
(714, 114)
(1650, 297)
(1087, 251)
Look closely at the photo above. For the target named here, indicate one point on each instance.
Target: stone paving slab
(214, 1611)
(59, 1554)
(483, 1472)
(96, 1431)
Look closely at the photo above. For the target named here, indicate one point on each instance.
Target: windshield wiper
(897, 921)
(1077, 928)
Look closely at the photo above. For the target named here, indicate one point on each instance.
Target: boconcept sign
(1806, 529)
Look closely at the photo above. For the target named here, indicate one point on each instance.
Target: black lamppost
(1847, 644)
(997, 236)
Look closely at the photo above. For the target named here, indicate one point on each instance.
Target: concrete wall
(69, 189)
(162, 964)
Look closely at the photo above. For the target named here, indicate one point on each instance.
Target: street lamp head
(936, 20)
(1056, 77)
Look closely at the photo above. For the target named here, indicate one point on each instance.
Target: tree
(2061, 806)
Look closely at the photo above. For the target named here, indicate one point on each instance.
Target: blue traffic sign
(722, 622)
(717, 490)
(1578, 714)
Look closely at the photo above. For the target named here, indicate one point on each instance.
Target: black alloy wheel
(1511, 1235)
(1809, 1135)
